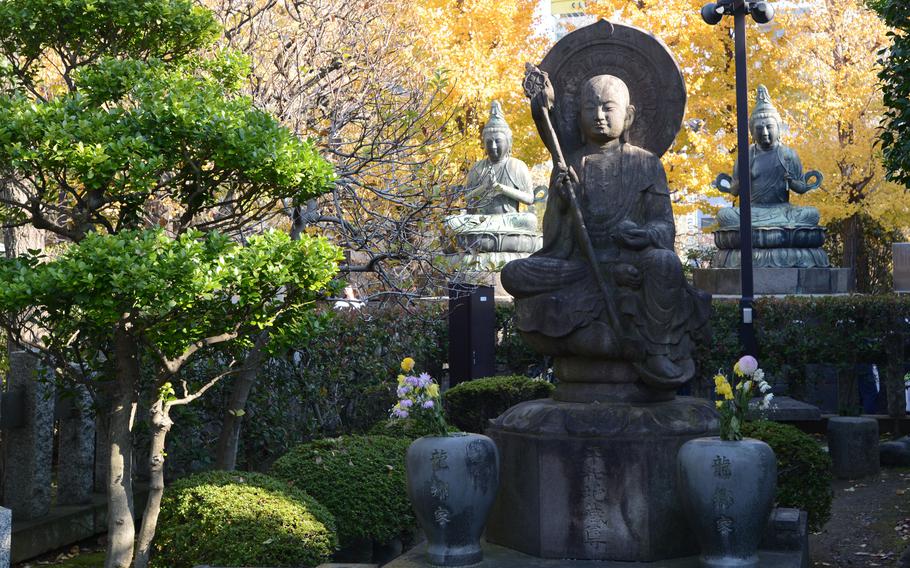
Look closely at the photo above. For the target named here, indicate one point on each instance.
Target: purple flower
(423, 380)
(400, 413)
(747, 365)
(428, 404)
(412, 381)
(403, 390)
(405, 403)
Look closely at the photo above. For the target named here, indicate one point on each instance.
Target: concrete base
(65, 525)
(775, 281)
(595, 481)
(785, 409)
(500, 557)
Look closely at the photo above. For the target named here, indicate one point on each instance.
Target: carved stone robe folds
(555, 291)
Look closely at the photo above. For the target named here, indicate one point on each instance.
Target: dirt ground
(870, 523)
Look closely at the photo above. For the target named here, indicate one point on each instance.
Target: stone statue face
(605, 110)
(766, 132)
(497, 145)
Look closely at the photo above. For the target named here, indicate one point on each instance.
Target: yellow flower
(407, 364)
(433, 390)
(718, 403)
(737, 370)
(400, 380)
(722, 387)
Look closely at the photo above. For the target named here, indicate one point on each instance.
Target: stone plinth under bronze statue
(591, 473)
(786, 238)
(493, 231)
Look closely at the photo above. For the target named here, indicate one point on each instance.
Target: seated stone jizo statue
(493, 228)
(609, 200)
(784, 235)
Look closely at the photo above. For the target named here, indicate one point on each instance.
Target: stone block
(822, 387)
(815, 281)
(501, 557)
(853, 446)
(27, 448)
(595, 481)
(6, 531)
(895, 453)
(776, 280)
(788, 531)
(785, 409)
(842, 280)
(75, 473)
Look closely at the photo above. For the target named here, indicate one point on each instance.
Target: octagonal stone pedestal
(595, 481)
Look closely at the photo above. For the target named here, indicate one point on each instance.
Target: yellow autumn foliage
(818, 60)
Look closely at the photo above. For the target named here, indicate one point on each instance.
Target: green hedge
(360, 479)
(472, 404)
(794, 332)
(241, 519)
(803, 469)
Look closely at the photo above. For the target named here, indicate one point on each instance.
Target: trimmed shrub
(803, 469)
(360, 479)
(241, 519)
(403, 428)
(471, 404)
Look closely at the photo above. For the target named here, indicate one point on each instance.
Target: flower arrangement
(733, 402)
(419, 400)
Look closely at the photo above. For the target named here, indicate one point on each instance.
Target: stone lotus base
(773, 237)
(595, 481)
(488, 241)
(774, 258)
(776, 281)
(773, 247)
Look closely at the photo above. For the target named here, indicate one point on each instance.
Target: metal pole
(746, 329)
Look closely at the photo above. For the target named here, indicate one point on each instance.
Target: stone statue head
(605, 113)
(765, 121)
(497, 136)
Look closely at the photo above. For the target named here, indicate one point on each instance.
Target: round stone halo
(642, 61)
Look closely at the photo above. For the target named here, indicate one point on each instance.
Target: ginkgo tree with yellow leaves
(817, 59)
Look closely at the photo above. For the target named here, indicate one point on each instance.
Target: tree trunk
(229, 437)
(161, 425)
(120, 517)
(855, 255)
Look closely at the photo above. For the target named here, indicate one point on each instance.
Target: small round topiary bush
(360, 479)
(472, 404)
(803, 469)
(241, 519)
(403, 428)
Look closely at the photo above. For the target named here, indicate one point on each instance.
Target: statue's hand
(630, 236)
(627, 275)
(724, 182)
(563, 184)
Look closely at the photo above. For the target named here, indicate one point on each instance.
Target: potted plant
(452, 477)
(728, 483)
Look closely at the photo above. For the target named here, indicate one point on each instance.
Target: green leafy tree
(895, 78)
(124, 133)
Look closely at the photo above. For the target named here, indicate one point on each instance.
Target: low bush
(360, 479)
(403, 428)
(241, 519)
(803, 469)
(472, 404)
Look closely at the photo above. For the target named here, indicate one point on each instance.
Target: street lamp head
(710, 14)
(762, 12)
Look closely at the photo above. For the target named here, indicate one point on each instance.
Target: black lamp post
(761, 12)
